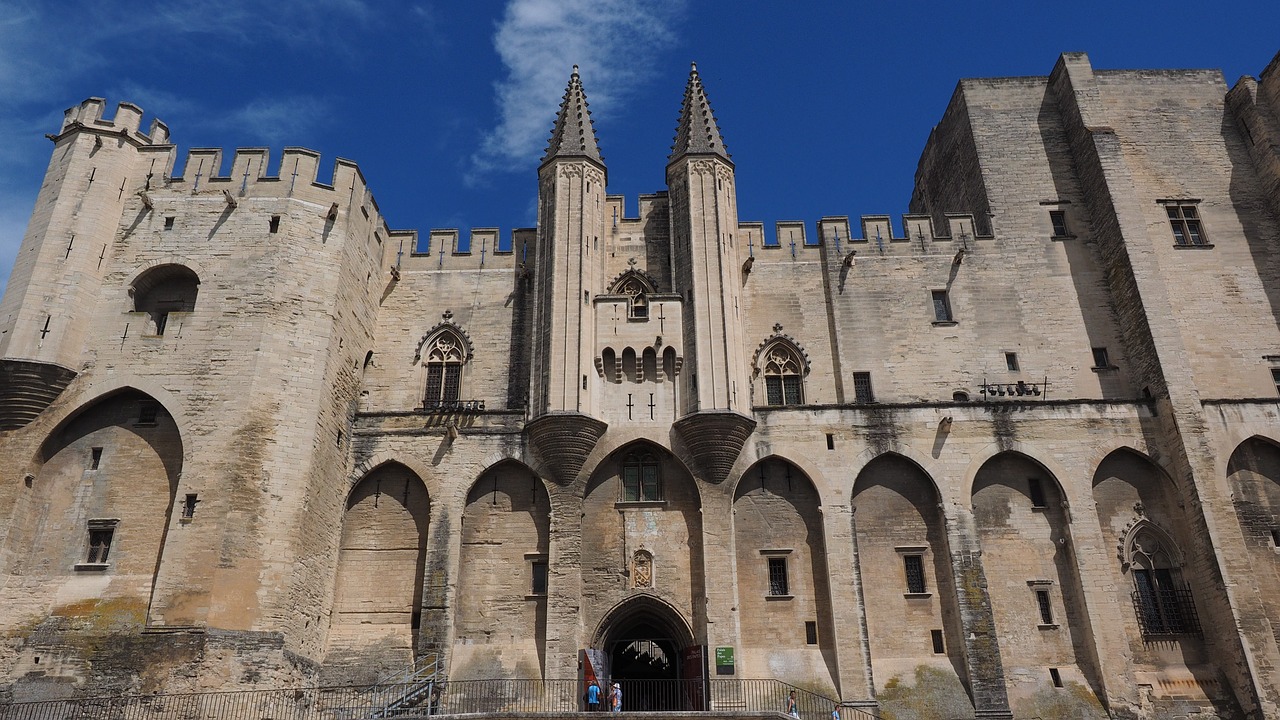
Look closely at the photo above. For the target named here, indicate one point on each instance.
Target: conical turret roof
(573, 134)
(697, 133)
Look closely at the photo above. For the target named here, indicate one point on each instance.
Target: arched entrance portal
(651, 654)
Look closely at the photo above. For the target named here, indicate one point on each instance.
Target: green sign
(724, 656)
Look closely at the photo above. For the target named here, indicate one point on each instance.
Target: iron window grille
(778, 576)
(1163, 607)
(913, 565)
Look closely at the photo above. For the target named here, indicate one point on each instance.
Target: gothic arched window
(641, 480)
(782, 367)
(444, 356)
(637, 291)
(1163, 602)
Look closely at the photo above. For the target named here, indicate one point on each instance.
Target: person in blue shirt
(615, 698)
(593, 697)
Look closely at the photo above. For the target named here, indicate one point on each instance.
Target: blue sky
(447, 106)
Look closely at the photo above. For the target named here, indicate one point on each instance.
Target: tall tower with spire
(568, 269)
(707, 264)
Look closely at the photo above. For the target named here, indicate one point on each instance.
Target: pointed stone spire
(697, 133)
(573, 134)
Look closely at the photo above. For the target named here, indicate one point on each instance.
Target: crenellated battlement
(127, 120)
(250, 167)
(874, 235)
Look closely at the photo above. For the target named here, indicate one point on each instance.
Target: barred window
(100, 545)
(444, 359)
(1163, 603)
(1046, 610)
(941, 307)
(778, 576)
(782, 367)
(862, 388)
(913, 565)
(641, 481)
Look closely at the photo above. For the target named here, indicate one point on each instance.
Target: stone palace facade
(995, 460)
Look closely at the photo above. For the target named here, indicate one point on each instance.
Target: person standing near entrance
(593, 697)
(615, 698)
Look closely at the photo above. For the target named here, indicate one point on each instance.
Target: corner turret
(568, 269)
(697, 132)
(574, 135)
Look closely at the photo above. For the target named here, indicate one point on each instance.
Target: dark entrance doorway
(649, 645)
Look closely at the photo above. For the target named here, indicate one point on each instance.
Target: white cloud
(612, 42)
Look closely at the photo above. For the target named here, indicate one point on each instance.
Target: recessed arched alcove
(503, 576)
(904, 563)
(380, 574)
(784, 594)
(1033, 581)
(103, 503)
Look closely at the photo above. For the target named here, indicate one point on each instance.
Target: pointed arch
(1253, 472)
(381, 571)
(637, 286)
(1033, 581)
(443, 352)
(780, 551)
(1138, 511)
(640, 496)
(782, 364)
(903, 562)
(503, 569)
(103, 484)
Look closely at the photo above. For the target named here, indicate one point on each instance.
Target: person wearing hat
(615, 698)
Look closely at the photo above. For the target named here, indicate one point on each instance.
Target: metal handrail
(429, 695)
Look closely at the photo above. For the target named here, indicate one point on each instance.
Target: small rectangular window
(1011, 361)
(147, 413)
(1100, 358)
(168, 223)
(811, 632)
(95, 458)
(1275, 538)
(938, 647)
(99, 545)
(778, 576)
(913, 565)
(831, 441)
(189, 506)
(274, 225)
(1046, 611)
(1059, 220)
(1275, 378)
(1056, 677)
(1035, 490)
(941, 306)
(539, 581)
(862, 388)
(1184, 218)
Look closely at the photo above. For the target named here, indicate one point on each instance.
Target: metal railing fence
(434, 697)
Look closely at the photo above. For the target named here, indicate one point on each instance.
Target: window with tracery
(641, 480)
(444, 358)
(1162, 601)
(782, 368)
(637, 298)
